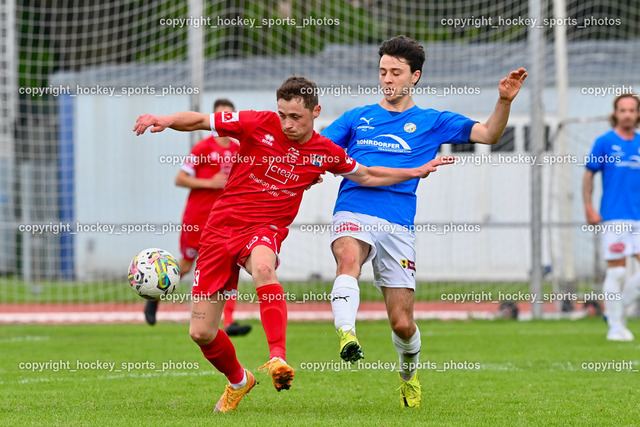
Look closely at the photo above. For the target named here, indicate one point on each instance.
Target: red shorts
(223, 253)
(190, 241)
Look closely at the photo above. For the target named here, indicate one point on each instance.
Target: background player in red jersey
(280, 155)
(205, 173)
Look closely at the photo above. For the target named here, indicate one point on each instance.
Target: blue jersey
(374, 136)
(619, 161)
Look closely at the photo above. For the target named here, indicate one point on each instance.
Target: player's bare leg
(204, 312)
(151, 306)
(399, 303)
(406, 338)
(261, 264)
(219, 351)
(185, 266)
(350, 255)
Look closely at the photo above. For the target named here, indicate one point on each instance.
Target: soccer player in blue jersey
(376, 224)
(617, 155)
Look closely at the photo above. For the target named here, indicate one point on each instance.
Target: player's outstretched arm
(491, 131)
(185, 121)
(593, 217)
(379, 176)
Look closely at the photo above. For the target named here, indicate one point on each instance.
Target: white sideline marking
(137, 316)
(115, 377)
(25, 338)
(184, 316)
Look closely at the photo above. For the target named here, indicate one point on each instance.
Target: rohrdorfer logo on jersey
(387, 142)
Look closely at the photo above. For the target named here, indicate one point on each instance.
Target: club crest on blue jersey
(316, 160)
(410, 127)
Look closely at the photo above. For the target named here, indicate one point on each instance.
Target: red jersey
(206, 160)
(271, 172)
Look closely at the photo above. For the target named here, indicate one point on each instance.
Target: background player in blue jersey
(617, 155)
(376, 224)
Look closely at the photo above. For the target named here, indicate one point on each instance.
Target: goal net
(80, 195)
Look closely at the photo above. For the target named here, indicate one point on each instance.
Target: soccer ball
(154, 272)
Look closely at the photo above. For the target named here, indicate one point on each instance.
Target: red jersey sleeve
(192, 162)
(342, 163)
(235, 124)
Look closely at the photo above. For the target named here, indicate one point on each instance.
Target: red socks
(273, 314)
(222, 354)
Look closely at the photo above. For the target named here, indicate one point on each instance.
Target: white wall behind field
(120, 180)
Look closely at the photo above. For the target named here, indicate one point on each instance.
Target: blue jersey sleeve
(340, 130)
(456, 126)
(595, 161)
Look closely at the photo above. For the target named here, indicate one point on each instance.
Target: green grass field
(16, 291)
(517, 373)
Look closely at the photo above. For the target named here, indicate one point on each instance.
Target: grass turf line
(15, 291)
(525, 373)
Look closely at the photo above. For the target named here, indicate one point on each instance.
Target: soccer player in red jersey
(280, 155)
(205, 172)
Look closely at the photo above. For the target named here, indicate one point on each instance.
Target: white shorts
(392, 247)
(620, 239)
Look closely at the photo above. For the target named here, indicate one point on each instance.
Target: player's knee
(349, 256)
(347, 260)
(404, 327)
(263, 271)
(202, 336)
(348, 263)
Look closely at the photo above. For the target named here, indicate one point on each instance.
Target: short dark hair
(223, 102)
(612, 117)
(408, 49)
(405, 48)
(299, 87)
